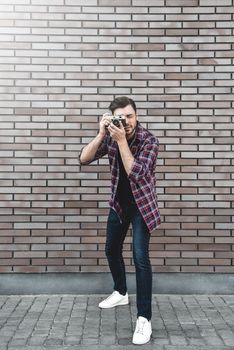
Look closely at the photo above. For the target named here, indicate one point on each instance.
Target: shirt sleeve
(101, 151)
(144, 163)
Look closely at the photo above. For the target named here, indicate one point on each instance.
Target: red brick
(180, 261)
(47, 261)
(198, 269)
(214, 262)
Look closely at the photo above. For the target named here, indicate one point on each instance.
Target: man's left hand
(117, 133)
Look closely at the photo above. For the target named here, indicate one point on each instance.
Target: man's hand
(117, 133)
(104, 123)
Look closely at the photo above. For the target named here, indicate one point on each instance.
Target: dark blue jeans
(116, 233)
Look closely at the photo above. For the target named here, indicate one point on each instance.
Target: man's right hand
(87, 154)
(104, 123)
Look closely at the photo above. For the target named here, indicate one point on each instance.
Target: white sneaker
(142, 332)
(113, 300)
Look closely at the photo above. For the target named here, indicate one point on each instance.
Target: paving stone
(90, 341)
(36, 340)
(196, 341)
(108, 339)
(72, 340)
(160, 341)
(176, 339)
(53, 341)
(125, 341)
(18, 341)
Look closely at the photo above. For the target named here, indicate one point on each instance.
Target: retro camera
(117, 119)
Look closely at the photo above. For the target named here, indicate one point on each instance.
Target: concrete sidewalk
(71, 322)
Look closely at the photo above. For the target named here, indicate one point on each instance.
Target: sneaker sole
(143, 342)
(117, 304)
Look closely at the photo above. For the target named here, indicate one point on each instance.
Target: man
(132, 152)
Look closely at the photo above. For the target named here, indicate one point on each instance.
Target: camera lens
(116, 122)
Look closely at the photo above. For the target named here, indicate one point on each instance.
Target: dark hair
(121, 102)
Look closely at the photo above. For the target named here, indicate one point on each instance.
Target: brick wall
(61, 63)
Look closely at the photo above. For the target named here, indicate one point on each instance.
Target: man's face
(131, 119)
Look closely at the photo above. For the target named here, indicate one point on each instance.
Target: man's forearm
(126, 155)
(89, 151)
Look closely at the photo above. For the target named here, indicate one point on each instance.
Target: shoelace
(140, 327)
(111, 295)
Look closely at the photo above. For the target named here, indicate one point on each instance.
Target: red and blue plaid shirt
(144, 148)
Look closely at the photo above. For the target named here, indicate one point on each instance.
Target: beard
(130, 131)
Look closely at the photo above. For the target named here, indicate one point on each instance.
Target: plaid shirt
(144, 148)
